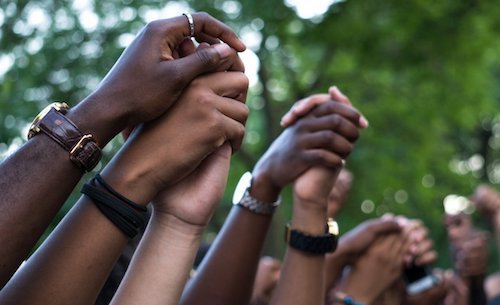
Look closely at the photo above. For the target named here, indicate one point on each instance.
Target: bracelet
(256, 206)
(119, 196)
(243, 199)
(343, 298)
(129, 220)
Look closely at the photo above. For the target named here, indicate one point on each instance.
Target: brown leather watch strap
(83, 150)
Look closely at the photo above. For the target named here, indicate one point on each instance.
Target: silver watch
(242, 198)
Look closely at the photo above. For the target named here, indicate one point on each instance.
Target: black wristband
(118, 195)
(313, 244)
(127, 219)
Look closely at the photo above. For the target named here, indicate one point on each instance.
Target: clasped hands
(189, 107)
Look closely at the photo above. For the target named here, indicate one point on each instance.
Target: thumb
(385, 226)
(217, 57)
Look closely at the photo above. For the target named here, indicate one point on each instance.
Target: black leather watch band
(314, 244)
(83, 149)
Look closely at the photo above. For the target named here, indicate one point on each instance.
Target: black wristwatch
(314, 244)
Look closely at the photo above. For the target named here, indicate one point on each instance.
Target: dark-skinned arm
(302, 279)
(323, 138)
(143, 84)
(71, 266)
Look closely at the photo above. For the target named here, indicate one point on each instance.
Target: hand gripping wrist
(242, 198)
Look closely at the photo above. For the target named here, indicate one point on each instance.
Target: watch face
(241, 187)
(57, 106)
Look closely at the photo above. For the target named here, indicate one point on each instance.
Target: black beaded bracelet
(127, 218)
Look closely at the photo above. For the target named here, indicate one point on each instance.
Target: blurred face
(458, 226)
(339, 193)
(267, 277)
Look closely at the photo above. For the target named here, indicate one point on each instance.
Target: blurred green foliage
(423, 72)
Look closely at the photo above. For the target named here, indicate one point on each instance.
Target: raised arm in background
(71, 266)
(323, 138)
(302, 279)
(143, 84)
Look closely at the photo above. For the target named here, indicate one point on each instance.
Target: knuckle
(152, 27)
(245, 82)
(214, 123)
(327, 137)
(204, 99)
(336, 120)
(245, 112)
(204, 15)
(240, 132)
(207, 57)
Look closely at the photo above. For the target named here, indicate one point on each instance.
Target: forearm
(227, 273)
(72, 264)
(302, 278)
(238, 247)
(161, 264)
(496, 230)
(35, 182)
(334, 264)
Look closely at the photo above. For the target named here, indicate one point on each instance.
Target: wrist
(309, 218)
(359, 296)
(177, 225)
(93, 115)
(263, 187)
(128, 182)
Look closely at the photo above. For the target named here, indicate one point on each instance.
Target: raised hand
(471, 254)
(323, 138)
(150, 76)
(355, 242)
(304, 106)
(210, 112)
(377, 269)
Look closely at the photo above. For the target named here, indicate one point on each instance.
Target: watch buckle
(81, 143)
(333, 227)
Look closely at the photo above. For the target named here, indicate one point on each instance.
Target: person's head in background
(339, 193)
(458, 226)
(266, 279)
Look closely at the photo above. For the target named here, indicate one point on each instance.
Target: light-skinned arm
(162, 263)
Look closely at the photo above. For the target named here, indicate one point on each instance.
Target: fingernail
(402, 222)
(223, 49)
(363, 122)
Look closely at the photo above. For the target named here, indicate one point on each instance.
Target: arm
(161, 265)
(31, 194)
(242, 236)
(83, 248)
(302, 278)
